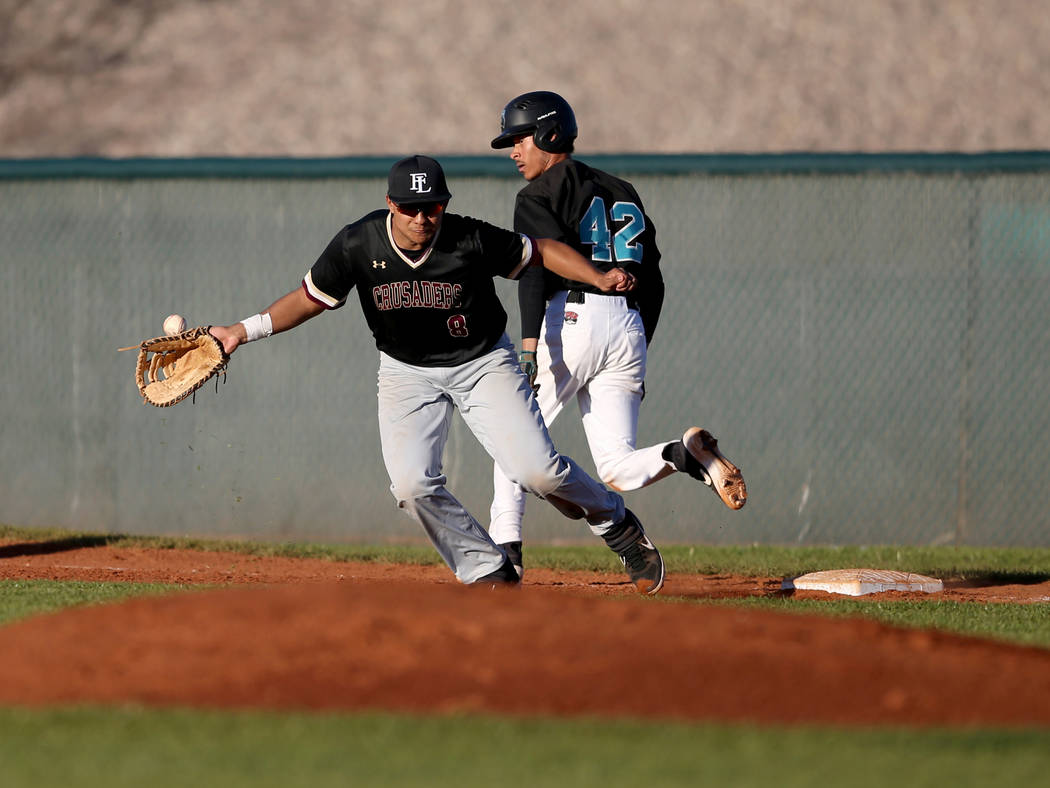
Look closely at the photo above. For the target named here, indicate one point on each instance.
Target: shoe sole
(726, 479)
(488, 585)
(641, 583)
(652, 591)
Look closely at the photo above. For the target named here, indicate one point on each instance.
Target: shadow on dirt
(55, 545)
(992, 579)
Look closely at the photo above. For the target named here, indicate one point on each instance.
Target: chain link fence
(867, 336)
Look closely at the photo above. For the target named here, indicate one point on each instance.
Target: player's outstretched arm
(565, 261)
(285, 313)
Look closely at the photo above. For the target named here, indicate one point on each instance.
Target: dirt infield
(317, 634)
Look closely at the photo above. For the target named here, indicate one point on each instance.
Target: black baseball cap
(417, 179)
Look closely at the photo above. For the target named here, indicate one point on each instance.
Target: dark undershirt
(411, 254)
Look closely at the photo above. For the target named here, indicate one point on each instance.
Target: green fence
(867, 336)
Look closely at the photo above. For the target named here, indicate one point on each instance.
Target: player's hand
(616, 281)
(629, 283)
(229, 336)
(527, 362)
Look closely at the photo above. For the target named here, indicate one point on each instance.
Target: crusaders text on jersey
(435, 309)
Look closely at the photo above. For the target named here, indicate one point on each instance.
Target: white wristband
(257, 327)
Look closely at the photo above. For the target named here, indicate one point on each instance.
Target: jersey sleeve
(330, 280)
(532, 302)
(507, 251)
(534, 217)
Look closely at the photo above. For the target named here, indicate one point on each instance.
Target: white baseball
(174, 324)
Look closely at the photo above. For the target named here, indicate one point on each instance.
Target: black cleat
(639, 556)
(504, 577)
(513, 551)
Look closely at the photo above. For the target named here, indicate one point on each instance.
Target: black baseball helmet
(547, 115)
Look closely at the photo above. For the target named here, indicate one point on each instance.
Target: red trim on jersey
(318, 296)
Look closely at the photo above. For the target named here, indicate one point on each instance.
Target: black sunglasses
(430, 210)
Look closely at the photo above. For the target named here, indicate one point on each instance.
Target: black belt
(578, 297)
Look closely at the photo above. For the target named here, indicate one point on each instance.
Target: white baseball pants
(594, 352)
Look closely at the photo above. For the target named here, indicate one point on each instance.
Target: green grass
(21, 598)
(1025, 624)
(1002, 564)
(134, 747)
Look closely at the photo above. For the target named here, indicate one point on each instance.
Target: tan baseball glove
(171, 368)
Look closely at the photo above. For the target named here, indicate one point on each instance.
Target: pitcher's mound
(426, 647)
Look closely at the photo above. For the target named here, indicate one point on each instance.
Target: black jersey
(601, 217)
(439, 310)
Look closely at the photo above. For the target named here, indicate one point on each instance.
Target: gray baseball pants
(493, 397)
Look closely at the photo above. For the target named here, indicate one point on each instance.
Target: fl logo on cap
(419, 183)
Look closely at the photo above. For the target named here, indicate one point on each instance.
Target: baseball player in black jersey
(424, 278)
(579, 342)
